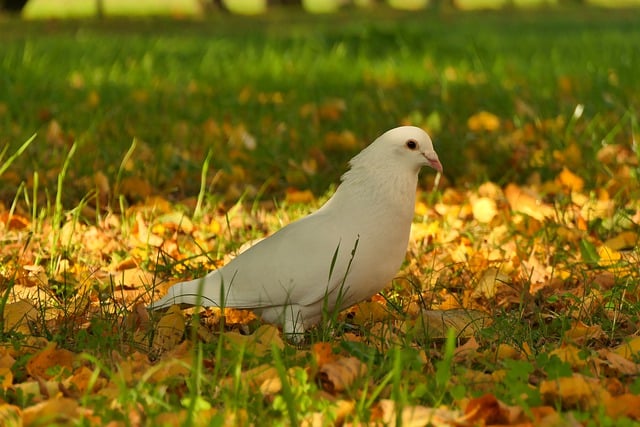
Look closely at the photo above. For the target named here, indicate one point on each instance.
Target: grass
(203, 113)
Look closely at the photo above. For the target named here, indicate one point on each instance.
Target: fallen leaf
(626, 405)
(483, 121)
(51, 362)
(51, 412)
(10, 415)
(629, 349)
(570, 181)
(576, 391)
(337, 376)
(484, 209)
(415, 416)
(18, 316)
(169, 330)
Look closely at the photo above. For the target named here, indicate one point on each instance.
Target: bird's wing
(298, 264)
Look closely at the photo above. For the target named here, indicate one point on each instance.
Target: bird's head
(407, 144)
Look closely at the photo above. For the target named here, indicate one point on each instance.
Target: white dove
(343, 253)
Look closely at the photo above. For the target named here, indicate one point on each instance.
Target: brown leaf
(619, 364)
(337, 376)
(486, 410)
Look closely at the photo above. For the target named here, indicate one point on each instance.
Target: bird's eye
(411, 144)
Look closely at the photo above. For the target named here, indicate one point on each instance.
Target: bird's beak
(433, 161)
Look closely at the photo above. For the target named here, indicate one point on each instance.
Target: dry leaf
(580, 333)
(10, 415)
(18, 316)
(294, 196)
(169, 330)
(483, 121)
(323, 353)
(629, 349)
(569, 180)
(576, 391)
(337, 376)
(484, 209)
(51, 412)
(626, 405)
(51, 362)
(416, 416)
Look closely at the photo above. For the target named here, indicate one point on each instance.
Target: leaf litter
(538, 279)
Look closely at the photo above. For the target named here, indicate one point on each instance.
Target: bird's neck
(367, 191)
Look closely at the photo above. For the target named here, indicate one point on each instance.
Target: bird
(343, 253)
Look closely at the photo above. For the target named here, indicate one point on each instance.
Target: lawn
(162, 145)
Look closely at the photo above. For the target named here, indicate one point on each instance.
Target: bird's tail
(203, 291)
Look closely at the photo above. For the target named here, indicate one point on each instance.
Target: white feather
(345, 252)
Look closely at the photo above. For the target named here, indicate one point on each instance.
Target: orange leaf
(41, 363)
(14, 222)
(297, 196)
(627, 405)
(569, 180)
(323, 353)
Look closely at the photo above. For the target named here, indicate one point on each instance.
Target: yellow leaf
(58, 411)
(571, 355)
(629, 349)
(343, 141)
(576, 391)
(370, 312)
(506, 351)
(608, 256)
(169, 330)
(483, 121)
(10, 415)
(484, 209)
(624, 240)
(580, 332)
(6, 379)
(17, 316)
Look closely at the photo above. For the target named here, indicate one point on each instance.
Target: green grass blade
(4, 166)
